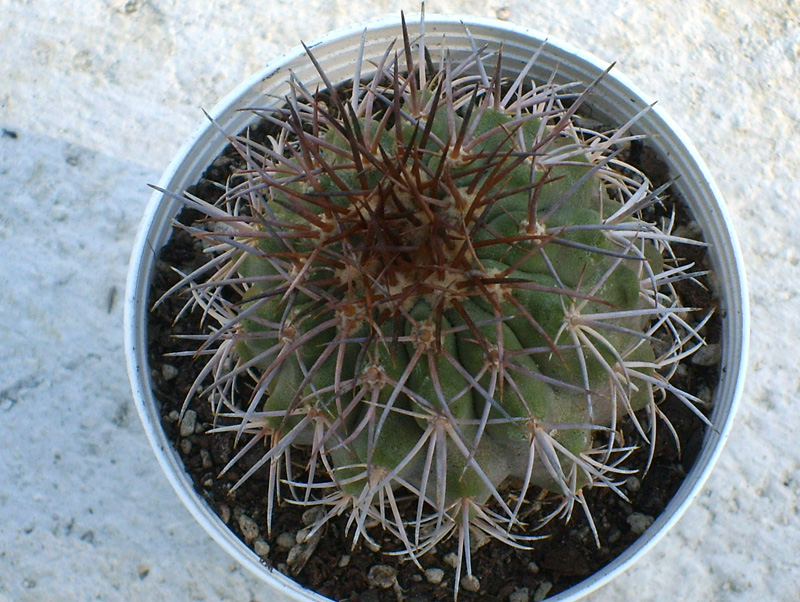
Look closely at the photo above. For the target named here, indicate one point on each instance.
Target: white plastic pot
(615, 100)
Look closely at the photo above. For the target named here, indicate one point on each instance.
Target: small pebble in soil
(286, 540)
(205, 457)
(639, 522)
(371, 522)
(633, 484)
(533, 568)
(186, 447)
(296, 558)
(585, 533)
(478, 539)
(249, 527)
(451, 559)
(434, 575)
(709, 355)
(306, 545)
(302, 535)
(542, 591)
(261, 547)
(169, 372)
(704, 393)
(382, 575)
(470, 583)
(311, 516)
(521, 594)
(188, 423)
(343, 561)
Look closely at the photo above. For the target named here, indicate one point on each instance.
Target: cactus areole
(432, 293)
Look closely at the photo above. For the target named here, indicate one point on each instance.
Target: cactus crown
(441, 289)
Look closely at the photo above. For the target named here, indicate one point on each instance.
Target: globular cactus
(441, 293)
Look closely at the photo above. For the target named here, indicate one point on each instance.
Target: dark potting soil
(565, 557)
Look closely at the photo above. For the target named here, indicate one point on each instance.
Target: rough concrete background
(96, 97)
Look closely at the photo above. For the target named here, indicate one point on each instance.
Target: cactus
(441, 293)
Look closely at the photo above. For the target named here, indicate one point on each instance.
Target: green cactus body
(443, 302)
(476, 324)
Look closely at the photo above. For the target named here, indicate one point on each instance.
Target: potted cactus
(434, 300)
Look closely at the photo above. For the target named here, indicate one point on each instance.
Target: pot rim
(729, 267)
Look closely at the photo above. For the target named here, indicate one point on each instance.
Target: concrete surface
(95, 97)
